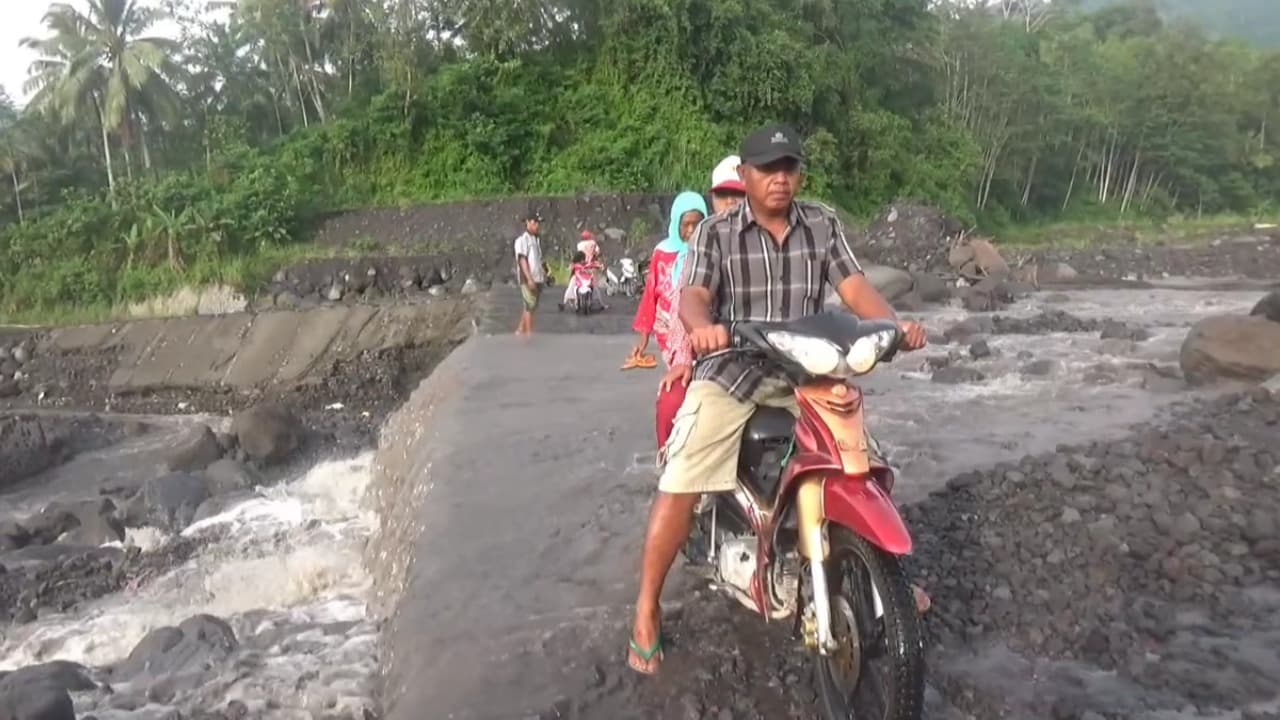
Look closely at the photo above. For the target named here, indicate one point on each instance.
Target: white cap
(725, 176)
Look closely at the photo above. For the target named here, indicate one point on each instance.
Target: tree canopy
(141, 157)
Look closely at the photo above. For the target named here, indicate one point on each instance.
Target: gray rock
(969, 327)
(931, 288)
(334, 292)
(196, 644)
(980, 350)
(96, 523)
(1047, 367)
(268, 433)
(9, 388)
(1117, 347)
(170, 501)
(288, 299)
(470, 286)
(227, 475)
(22, 353)
(1055, 272)
(955, 375)
(1185, 527)
(12, 535)
(195, 450)
(891, 282)
(1268, 307)
(219, 504)
(25, 449)
(1116, 330)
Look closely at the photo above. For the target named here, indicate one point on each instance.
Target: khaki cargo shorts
(701, 456)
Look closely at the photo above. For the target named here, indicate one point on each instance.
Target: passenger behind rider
(727, 190)
(772, 258)
(656, 315)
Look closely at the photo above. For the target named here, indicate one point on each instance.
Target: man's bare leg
(669, 523)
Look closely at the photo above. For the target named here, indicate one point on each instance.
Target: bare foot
(644, 653)
(923, 602)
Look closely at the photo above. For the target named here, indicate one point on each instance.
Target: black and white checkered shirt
(753, 278)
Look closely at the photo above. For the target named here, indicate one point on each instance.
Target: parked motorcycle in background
(626, 278)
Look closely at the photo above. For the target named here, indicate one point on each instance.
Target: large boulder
(169, 501)
(891, 282)
(1231, 347)
(931, 287)
(42, 692)
(195, 450)
(1269, 307)
(1055, 272)
(197, 644)
(268, 433)
(25, 449)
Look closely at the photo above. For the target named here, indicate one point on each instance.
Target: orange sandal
(644, 362)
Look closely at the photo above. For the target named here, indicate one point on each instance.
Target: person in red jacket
(656, 316)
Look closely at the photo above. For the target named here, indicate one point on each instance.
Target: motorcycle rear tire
(901, 634)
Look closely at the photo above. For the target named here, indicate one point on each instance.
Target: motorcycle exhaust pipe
(813, 546)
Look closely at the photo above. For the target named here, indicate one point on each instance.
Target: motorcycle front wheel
(877, 671)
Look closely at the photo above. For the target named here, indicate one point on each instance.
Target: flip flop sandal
(631, 362)
(646, 655)
(647, 362)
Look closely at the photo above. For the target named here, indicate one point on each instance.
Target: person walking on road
(530, 273)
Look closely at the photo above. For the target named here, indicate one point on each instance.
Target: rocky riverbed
(190, 567)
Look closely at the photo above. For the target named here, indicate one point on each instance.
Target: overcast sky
(21, 19)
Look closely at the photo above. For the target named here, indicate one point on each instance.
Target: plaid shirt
(753, 278)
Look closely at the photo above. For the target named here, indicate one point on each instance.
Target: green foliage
(152, 237)
(1006, 114)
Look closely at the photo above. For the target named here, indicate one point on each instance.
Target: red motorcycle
(811, 531)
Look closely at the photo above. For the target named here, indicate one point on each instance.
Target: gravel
(1155, 557)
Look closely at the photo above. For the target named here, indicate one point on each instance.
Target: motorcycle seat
(769, 423)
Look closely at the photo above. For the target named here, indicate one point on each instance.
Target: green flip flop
(645, 655)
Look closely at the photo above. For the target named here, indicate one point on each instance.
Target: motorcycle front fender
(860, 504)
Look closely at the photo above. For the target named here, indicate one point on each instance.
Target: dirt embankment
(341, 368)
(476, 236)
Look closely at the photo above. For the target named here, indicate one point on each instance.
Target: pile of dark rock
(915, 237)
(13, 359)
(1155, 557)
(365, 280)
(1048, 321)
(1252, 254)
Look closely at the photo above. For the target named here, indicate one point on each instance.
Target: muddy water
(934, 431)
(284, 572)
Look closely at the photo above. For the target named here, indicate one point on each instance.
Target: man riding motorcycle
(772, 258)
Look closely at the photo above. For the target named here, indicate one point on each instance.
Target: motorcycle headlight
(816, 356)
(867, 351)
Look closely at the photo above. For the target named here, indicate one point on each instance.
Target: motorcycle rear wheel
(878, 671)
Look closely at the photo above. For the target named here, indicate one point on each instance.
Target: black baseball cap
(770, 144)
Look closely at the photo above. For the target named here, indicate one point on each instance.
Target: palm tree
(12, 150)
(101, 59)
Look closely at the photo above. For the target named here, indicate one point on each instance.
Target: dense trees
(162, 155)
